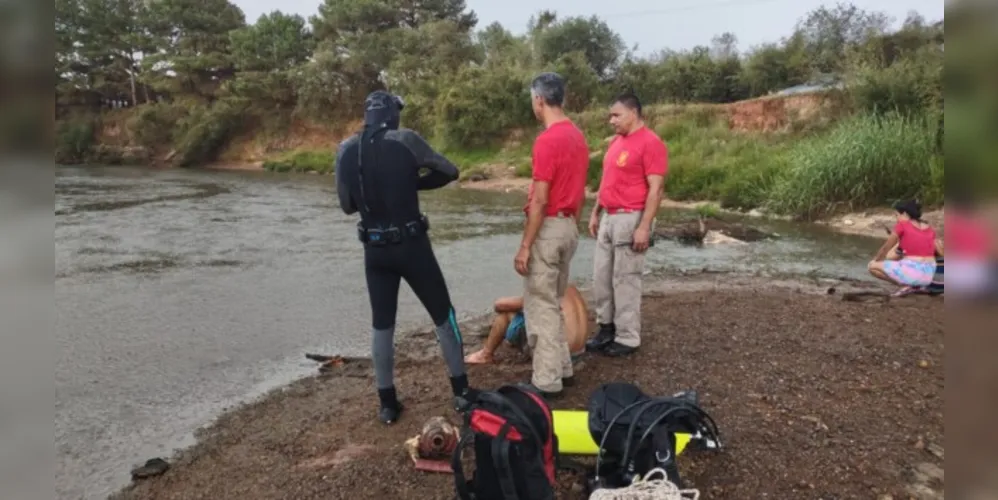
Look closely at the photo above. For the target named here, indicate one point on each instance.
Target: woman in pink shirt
(908, 257)
(972, 258)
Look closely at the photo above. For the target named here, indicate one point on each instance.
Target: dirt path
(815, 398)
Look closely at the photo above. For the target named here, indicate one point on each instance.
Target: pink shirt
(967, 236)
(915, 242)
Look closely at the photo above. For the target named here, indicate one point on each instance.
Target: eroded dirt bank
(815, 398)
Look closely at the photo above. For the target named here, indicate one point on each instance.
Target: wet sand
(815, 397)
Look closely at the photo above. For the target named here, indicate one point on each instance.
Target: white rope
(647, 489)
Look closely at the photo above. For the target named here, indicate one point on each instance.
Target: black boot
(615, 350)
(391, 408)
(458, 385)
(603, 338)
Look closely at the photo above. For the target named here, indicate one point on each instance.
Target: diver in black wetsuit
(378, 174)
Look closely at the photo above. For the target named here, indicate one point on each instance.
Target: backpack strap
(504, 402)
(460, 481)
(628, 450)
(500, 458)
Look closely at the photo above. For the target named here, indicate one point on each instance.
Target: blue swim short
(516, 332)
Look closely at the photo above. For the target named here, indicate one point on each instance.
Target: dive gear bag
(515, 447)
(636, 433)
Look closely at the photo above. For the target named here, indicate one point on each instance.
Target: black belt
(393, 235)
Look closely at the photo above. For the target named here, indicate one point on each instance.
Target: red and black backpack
(514, 444)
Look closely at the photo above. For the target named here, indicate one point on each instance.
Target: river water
(180, 293)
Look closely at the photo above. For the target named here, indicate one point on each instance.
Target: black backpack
(516, 450)
(637, 433)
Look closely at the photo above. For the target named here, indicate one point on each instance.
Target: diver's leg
(383, 289)
(427, 281)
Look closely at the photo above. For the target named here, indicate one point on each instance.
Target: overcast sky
(652, 24)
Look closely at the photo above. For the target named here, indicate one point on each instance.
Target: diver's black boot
(458, 385)
(603, 338)
(391, 409)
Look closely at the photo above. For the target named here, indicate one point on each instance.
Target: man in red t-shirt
(551, 233)
(630, 192)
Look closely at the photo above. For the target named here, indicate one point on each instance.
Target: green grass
(321, 161)
(708, 210)
(475, 161)
(472, 159)
(859, 162)
(864, 161)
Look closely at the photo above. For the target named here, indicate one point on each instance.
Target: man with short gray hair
(551, 234)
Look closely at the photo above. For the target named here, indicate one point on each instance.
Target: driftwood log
(866, 297)
(695, 231)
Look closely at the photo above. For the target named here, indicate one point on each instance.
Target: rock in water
(152, 468)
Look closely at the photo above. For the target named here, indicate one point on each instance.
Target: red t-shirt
(561, 158)
(967, 236)
(629, 160)
(915, 242)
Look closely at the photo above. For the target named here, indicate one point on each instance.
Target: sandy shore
(816, 397)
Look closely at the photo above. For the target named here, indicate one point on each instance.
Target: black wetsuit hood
(382, 109)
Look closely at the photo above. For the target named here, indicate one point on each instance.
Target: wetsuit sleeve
(342, 190)
(442, 171)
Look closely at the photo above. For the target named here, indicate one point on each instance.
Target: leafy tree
(199, 73)
(773, 66)
(276, 42)
(829, 31)
(194, 52)
(266, 54)
(602, 47)
(371, 33)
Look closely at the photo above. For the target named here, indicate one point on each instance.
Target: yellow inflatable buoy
(572, 429)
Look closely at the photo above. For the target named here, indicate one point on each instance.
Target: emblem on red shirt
(622, 159)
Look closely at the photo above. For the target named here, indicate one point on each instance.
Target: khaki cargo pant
(544, 287)
(617, 276)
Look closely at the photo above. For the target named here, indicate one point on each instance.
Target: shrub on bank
(483, 108)
(866, 160)
(206, 130)
(75, 139)
(153, 125)
(320, 161)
